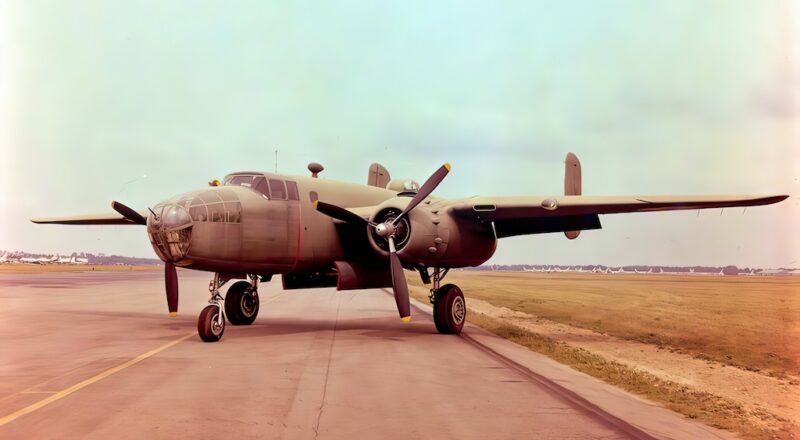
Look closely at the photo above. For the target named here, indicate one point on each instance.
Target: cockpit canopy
(271, 187)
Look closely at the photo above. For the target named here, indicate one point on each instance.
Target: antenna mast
(276, 161)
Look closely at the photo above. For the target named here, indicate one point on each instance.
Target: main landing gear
(240, 306)
(449, 307)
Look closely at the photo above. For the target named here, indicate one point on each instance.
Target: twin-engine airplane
(325, 233)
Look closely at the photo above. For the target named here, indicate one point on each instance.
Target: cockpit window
(241, 181)
(277, 189)
(261, 185)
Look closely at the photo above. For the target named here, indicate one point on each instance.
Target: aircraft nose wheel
(241, 303)
(449, 309)
(211, 324)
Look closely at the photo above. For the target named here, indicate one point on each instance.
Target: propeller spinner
(388, 230)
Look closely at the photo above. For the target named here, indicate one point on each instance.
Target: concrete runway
(95, 355)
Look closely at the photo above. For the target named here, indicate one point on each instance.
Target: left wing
(536, 215)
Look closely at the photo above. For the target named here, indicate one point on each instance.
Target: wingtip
(315, 203)
(173, 313)
(447, 165)
(406, 319)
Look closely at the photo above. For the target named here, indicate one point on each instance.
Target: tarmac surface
(95, 355)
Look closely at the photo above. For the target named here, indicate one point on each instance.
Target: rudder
(572, 184)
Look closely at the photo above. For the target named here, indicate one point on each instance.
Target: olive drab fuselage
(266, 223)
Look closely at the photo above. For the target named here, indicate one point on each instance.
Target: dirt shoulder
(768, 402)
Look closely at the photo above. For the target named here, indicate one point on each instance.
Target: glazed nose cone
(169, 228)
(174, 217)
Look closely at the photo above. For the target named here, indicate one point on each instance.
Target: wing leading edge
(535, 215)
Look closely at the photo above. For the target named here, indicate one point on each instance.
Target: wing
(111, 218)
(536, 215)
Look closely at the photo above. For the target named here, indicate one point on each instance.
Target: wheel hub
(216, 327)
(248, 304)
(459, 310)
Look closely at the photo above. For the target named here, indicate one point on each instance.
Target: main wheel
(449, 310)
(241, 303)
(207, 326)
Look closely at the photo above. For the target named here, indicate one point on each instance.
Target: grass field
(748, 322)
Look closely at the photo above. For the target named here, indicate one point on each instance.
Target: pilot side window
(261, 185)
(291, 190)
(277, 189)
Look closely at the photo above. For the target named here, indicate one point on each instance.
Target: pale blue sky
(692, 97)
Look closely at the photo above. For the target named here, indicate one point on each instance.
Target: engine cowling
(430, 236)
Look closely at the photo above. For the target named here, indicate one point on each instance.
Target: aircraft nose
(169, 227)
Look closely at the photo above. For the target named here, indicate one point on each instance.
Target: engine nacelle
(431, 236)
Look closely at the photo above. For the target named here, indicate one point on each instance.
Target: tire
(241, 304)
(449, 310)
(206, 325)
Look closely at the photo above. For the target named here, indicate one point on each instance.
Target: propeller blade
(399, 284)
(171, 281)
(339, 213)
(426, 190)
(128, 213)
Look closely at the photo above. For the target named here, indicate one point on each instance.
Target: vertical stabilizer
(572, 184)
(378, 176)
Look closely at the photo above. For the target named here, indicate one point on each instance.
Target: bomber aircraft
(323, 233)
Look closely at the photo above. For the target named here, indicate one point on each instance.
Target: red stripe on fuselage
(299, 228)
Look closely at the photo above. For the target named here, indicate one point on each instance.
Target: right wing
(110, 218)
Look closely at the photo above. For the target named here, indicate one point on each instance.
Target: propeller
(426, 190)
(338, 213)
(171, 284)
(387, 230)
(128, 213)
(170, 273)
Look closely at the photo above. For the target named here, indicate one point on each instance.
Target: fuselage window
(277, 189)
(234, 211)
(291, 190)
(216, 212)
(198, 213)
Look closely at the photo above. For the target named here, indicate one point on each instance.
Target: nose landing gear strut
(239, 306)
(211, 323)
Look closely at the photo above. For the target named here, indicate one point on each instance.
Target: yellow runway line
(100, 376)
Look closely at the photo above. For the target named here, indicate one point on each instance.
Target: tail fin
(572, 184)
(378, 176)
